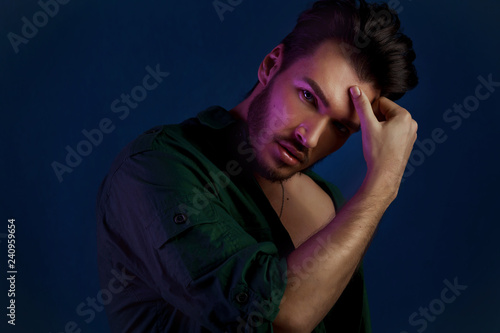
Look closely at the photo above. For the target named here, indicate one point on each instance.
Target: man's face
(304, 113)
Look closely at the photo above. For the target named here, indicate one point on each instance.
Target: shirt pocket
(195, 238)
(176, 215)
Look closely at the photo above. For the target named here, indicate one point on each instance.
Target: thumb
(363, 107)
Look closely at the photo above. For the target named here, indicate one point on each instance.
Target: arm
(338, 248)
(191, 263)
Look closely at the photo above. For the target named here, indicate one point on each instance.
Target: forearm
(320, 268)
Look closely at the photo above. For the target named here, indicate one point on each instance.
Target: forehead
(330, 68)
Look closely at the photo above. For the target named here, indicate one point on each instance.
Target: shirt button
(180, 218)
(242, 297)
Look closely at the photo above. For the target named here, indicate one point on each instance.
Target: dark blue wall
(65, 77)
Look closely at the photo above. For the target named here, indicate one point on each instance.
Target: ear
(270, 65)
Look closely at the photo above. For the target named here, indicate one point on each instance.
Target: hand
(388, 140)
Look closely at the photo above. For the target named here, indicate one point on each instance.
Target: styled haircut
(369, 36)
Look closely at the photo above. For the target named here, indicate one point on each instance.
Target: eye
(341, 128)
(308, 96)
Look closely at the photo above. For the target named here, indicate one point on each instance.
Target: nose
(309, 131)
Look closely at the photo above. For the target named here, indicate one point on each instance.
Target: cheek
(289, 99)
(279, 111)
(284, 117)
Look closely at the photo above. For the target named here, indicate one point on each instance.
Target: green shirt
(180, 214)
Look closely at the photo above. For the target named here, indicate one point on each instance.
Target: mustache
(297, 145)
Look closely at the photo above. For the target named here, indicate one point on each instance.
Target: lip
(289, 154)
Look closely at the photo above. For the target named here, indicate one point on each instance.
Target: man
(219, 225)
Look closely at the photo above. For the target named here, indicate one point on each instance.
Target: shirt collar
(215, 117)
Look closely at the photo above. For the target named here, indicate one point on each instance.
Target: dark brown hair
(369, 36)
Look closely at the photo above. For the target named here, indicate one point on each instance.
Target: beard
(262, 124)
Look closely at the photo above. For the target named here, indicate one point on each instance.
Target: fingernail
(355, 92)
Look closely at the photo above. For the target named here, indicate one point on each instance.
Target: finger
(363, 107)
(388, 108)
(376, 110)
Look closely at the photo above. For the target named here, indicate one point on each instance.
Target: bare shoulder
(303, 187)
(307, 208)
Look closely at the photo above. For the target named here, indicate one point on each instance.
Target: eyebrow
(319, 92)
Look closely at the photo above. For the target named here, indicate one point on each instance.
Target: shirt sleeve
(182, 242)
